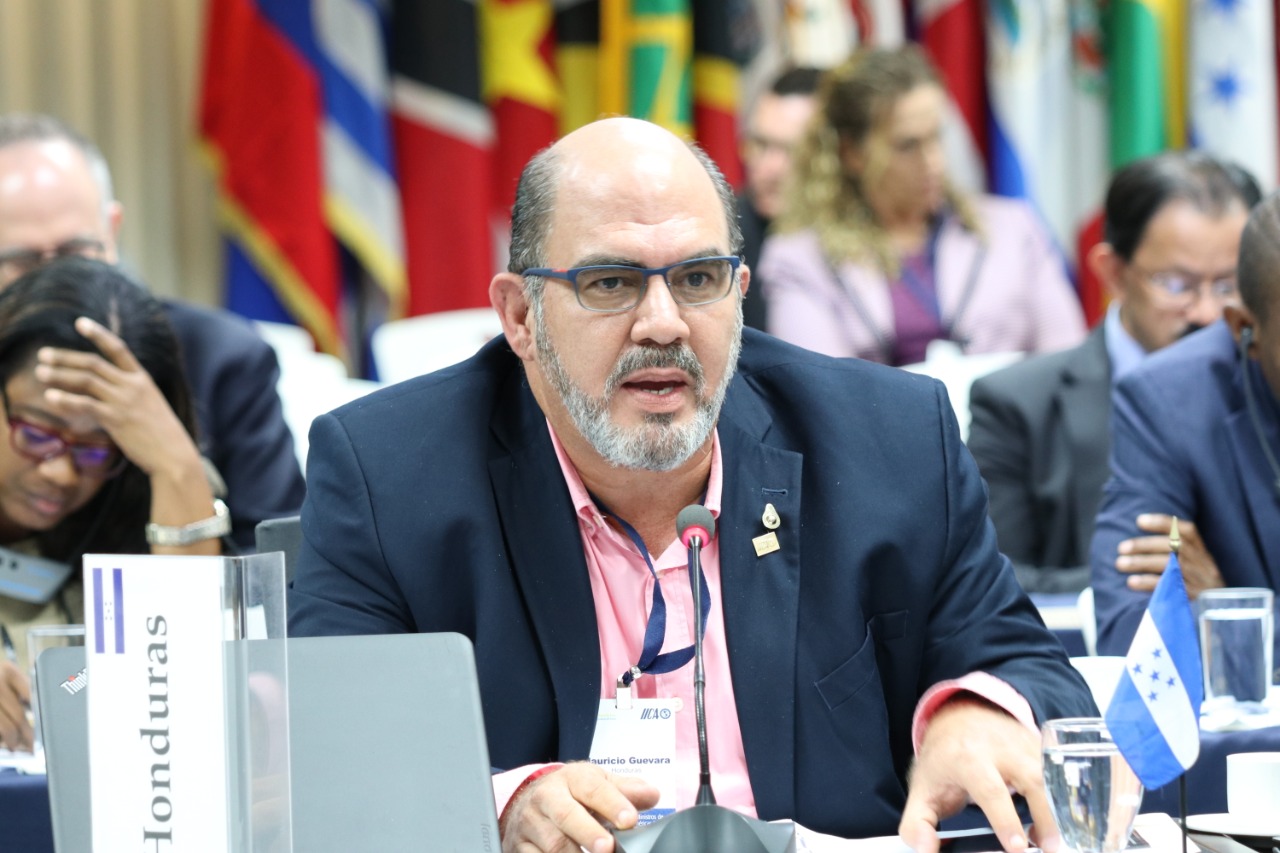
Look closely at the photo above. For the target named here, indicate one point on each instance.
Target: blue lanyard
(656, 629)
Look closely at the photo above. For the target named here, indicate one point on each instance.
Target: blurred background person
(100, 454)
(774, 126)
(1040, 429)
(877, 254)
(1195, 434)
(56, 198)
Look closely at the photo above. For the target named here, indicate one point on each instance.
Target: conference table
(25, 823)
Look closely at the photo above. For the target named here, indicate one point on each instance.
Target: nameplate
(157, 720)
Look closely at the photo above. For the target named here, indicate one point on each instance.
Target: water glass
(40, 638)
(1236, 631)
(1093, 793)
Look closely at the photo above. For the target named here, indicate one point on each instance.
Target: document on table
(23, 762)
(1159, 830)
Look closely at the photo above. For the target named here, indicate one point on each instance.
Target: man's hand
(974, 751)
(562, 811)
(15, 698)
(1143, 558)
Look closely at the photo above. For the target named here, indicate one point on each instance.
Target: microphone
(1246, 341)
(696, 526)
(705, 826)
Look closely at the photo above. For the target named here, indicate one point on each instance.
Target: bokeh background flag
(1154, 716)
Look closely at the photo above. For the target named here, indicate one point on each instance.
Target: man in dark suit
(1195, 434)
(857, 605)
(1040, 428)
(56, 199)
(774, 126)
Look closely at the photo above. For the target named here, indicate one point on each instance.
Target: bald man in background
(56, 199)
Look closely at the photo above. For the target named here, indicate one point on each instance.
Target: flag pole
(1175, 542)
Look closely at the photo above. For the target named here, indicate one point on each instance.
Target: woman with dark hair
(100, 455)
(878, 254)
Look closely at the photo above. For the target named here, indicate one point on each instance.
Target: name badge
(640, 740)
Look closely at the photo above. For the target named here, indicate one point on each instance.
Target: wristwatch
(219, 524)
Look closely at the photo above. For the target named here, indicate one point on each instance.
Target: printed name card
(157, 711)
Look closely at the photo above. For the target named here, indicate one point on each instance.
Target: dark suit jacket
(1183, 444)
(438, 505)
(1039, 434)
(755, 311)
(233, 373)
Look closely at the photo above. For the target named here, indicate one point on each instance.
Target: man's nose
(658, 318)
(1206, 308)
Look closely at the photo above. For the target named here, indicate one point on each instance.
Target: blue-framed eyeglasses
(611, 288)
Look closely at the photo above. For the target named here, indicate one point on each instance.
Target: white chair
(285, 338)
(310, 385)
(944, 361)
(413, 346)
(1102, 673)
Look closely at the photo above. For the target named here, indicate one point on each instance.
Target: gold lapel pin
(768, 542)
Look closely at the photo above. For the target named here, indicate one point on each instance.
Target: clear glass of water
(1092, 791)
(1236, 635)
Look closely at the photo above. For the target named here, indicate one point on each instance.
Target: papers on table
(1232, 720)
(23, 762)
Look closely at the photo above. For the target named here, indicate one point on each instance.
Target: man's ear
(506, 294)
(1109, 267)
(115, 218)
(1238, 319)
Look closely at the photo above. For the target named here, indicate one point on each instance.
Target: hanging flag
(951, 33)
(519, 86)
(262, 107)
(1048, 120)
(716, 85)
(1146, 46)
(1233, 85)
(1155, 711)
(443, 136)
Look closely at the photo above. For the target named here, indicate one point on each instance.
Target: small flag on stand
(1154, 716)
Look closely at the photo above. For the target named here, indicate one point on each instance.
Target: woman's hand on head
(117, 392)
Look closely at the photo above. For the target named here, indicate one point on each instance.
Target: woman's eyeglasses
(41, 443)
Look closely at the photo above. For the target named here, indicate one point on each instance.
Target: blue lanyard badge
(656, 629)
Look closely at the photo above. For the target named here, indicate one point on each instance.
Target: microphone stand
(704, 827)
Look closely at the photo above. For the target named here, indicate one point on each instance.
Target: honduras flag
(1154, 714)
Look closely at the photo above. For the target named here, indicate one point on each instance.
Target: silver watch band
(218, 524)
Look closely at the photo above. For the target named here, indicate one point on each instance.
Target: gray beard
(657, 444)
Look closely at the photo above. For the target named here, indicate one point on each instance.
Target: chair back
(1088, 621)
(280, 534)
(1102, 674)
(415, 346)
(945, 362)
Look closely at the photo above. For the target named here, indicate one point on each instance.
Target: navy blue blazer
(1182, 443)
(232, 373)
(438, 505)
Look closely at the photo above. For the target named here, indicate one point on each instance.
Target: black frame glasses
(614, 288)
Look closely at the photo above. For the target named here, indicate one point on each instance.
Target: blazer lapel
(760, 597)
(1084, 403)
(545, 551)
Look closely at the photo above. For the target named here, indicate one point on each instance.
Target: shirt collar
(1123, 350)
(585, 507)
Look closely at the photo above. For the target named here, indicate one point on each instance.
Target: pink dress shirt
(623, 591)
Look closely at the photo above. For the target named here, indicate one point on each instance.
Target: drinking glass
(1092, 791)
(1236, 626)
